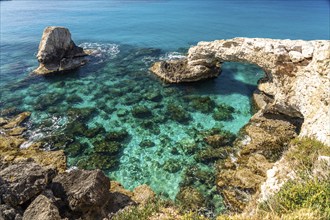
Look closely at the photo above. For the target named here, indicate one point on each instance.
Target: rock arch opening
(297, 75)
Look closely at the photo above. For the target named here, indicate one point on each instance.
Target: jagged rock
(297, 75)
(176, 71)
(42, 208)
(83, 190)
(23, 181)
(9, 213)
(17, 120)
(57, 52)
(266, 137)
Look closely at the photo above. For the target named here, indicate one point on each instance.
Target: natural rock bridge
(297, 75)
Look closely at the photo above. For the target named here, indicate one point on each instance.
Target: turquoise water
(113, 113)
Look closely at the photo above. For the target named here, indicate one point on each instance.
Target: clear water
(113, 84)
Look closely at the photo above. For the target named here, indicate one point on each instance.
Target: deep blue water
(112, 85)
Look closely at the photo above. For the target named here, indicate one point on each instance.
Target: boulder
(42, 208)
(57, 52)
(82, 190)
(21, 182)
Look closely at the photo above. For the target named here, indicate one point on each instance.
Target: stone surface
(22, 181)
(57, 52)
(14, 147)
(142, 194)
(262, 142)
(83, 190)
(42, 208)
(297, 75)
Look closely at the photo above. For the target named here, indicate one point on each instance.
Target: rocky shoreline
(291, 102)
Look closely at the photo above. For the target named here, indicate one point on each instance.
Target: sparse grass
(308, 194)
(142, 211)
(304, 152)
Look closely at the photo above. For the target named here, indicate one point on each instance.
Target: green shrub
(294, 195)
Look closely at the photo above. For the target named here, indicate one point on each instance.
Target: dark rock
(98, 161)
(223, 113)
(218, 140)
(190, 198)
(73, 99)
(172, 166)
(9, 213)
(177, 113)
(141, 112)
(111, 148)
(146, 144)
(119, 136)
(202, 104)
(82, 190)
(23, 181)
(210, 154)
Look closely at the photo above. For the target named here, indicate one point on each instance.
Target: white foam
(101, 50)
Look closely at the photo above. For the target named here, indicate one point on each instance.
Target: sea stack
(57, 52)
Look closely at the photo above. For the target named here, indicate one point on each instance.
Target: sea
(113, 113)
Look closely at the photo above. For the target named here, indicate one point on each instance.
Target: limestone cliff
(297, 78)
(57, 52)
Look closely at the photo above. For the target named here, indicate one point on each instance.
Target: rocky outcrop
(83, 191)
(260, 144)
(297, 75)
(57, 52)
(12, 137)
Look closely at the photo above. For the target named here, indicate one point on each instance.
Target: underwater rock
(74, 149)
(202, 104)
(93, 132)
(146, 144)
(141, 112)
(119, 136)
(48, 100)
(153, 96)
(74, 99)
(172, 166)
(223, 113)
(106, 147)
(81, 114)
(83, 190)
(98, 161)
(57, 52)
(209, 155)
(283, 61)
(219, 140)
(190, 198)
(177, 113)
(188, 146)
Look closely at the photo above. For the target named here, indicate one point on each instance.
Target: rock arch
(297, 75)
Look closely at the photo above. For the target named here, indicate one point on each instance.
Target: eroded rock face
(19, 187)
(297, 75)
(83, 190)
(57, 52)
